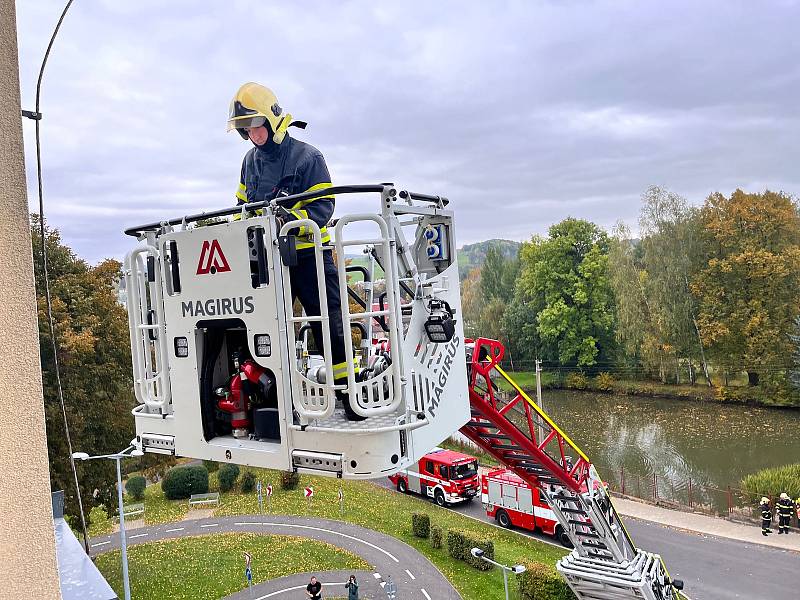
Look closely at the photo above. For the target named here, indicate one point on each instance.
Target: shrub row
(289, 480)
(541, 581)
(420, 525)
(460, 544)
(436, 536)
(227, 476)
(182, 482)
(135, 487)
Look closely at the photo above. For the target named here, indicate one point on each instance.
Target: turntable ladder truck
(604, 564)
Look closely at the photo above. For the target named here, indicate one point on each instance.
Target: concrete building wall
(28, 566)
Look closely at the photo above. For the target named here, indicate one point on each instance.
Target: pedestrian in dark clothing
(785, 508)
(766, 516)
(314, 589)
(352, 588)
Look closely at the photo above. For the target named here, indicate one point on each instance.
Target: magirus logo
(212, 260)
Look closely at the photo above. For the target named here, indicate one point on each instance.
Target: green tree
(748, 280)
(94, 352)
(564, 278)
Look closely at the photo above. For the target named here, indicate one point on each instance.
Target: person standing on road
(766, 516)
(314, 589)
(797, 508)
(352, 588)
(785, 508)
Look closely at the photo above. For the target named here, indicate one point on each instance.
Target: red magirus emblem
(212, 260)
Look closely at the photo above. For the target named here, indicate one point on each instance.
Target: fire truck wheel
(402, 486)
(503, 519)
(439, 498)
(562, 537)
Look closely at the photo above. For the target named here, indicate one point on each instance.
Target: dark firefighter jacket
(785, 508)
(289, 168)
(766, 513)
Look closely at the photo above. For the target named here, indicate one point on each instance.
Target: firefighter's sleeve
(241, 193)
(314, 176)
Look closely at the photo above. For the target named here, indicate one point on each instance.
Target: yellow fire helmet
(255, 105)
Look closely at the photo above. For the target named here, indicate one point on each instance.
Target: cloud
(522, 113)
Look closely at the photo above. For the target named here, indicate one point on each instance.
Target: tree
(93, 344)
(564, 278)
(747, 281)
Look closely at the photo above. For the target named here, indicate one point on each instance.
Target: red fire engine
(447, 476)
(513, 503)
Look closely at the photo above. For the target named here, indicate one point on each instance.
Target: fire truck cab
(513, 503)
(447, 476)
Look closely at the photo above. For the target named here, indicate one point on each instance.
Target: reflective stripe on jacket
(293, 167)
(785, 508)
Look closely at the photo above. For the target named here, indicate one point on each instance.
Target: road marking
(130, 537)
(101, 544)
(424, 593)
(376, 575)
(211, 525)
(299, 587)
(175, 529)
(410, 574)
(335, 533)
(248, 523)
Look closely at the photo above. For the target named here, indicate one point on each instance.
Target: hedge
(436, 536)
(541, 581)
(420, 525)
(460, 544)
(772, 482)
(135, 487)
(211, 465)
(181, 482)
(227, 476)
(248, 482)
(289, 480)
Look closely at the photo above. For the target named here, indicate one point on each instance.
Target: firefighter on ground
(279, 165)
(785, 508)
(766, 516)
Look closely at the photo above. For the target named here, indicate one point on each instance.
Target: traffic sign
(309, 492)
(269, 489)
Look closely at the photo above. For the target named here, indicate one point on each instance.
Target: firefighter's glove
(283, 216)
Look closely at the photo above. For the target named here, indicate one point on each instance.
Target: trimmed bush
(420, 525)
(227, 476)
(135, 487)
(211, 465)
(289, 480)
(248, 482)
(460, 544)
(181, 482)
(542, 581)
(436, 536)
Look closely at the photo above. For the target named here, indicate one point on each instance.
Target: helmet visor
(246, 122)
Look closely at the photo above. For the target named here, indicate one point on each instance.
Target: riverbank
(700, 392)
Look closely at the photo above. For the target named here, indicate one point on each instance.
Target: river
(712, 445)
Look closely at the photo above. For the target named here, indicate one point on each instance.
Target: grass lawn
(389, 512)
(213, 566)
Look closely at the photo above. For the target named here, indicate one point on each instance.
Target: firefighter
(797, 509)
(279, 165)
(766, 516)
(785, 508)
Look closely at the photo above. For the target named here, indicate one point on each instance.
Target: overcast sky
(522, 113)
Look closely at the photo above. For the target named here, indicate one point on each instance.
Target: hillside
(472, 255)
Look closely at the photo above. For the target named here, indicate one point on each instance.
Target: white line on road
(210, 525)
(131, 537)
(101, 543)
(424, 593)
(410, 574)
(376, 575)
(298, 587)
(336, 533)
(175, 529)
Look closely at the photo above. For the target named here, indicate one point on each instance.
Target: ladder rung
(481, 424)
(595, 545)
(587, 535)
(575, 511)
(506, 447)
(494, 436)
(583, 523)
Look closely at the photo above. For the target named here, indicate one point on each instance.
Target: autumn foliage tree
(94, 353)
(748, 280)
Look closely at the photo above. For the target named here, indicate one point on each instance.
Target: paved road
(415, 576)
(712, 568)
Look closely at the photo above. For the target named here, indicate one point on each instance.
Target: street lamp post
(128, 452)
(516, 569)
